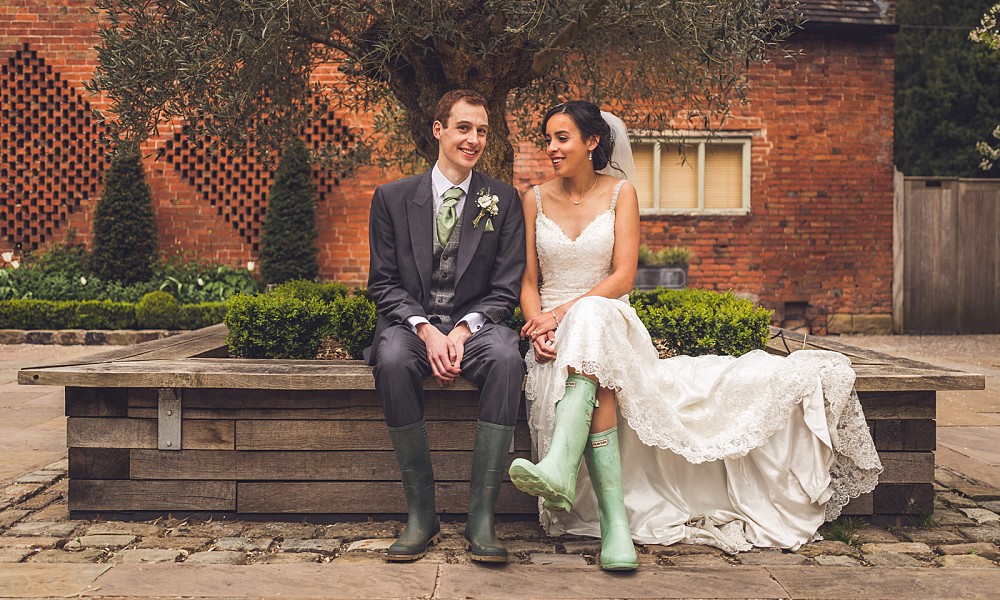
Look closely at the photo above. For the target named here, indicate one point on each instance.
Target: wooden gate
(947, 255)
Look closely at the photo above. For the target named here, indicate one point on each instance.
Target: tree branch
(327, 41)
(544, 58)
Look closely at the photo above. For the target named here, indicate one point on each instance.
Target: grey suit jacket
(400, 230)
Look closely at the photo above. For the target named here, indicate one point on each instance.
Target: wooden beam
(104, 495)
(369, 465)
(355, 435)
(365, 498)
(141, 433)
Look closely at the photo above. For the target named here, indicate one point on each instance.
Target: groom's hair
(443, 110)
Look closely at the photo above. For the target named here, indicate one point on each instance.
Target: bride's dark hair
(589, 121)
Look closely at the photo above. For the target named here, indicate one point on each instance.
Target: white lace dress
(730, 452)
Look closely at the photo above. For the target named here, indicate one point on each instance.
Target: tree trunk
(498, 156)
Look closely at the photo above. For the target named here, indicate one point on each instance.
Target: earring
(590, 156)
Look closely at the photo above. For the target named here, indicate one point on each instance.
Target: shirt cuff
(414, 321)
(475, 321)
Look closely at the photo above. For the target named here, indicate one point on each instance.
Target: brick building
(790, 205)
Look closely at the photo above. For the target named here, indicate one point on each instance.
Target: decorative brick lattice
(236, 185)
(51, 155)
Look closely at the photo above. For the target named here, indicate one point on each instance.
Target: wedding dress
(730, 452)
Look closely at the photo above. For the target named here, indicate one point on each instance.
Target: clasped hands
(541, 330)
(444, 352)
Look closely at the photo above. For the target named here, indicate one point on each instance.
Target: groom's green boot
(604, 464)
(422, 526)
(488, 460)
(554, 477)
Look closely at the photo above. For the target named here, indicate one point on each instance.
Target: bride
(730, 452)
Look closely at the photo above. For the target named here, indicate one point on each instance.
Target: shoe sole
(623, 567)
(416, 556)
(530, 482)
(488, 559)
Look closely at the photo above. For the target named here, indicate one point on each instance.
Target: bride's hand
(539, 325)
(545, 347)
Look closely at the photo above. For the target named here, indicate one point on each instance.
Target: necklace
(582, 198)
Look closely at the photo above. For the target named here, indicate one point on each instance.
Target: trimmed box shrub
(66, 314)
(696, 322)
(276, 326)
(304, 288)
(158, 310)
(353, 323)
(202, 314)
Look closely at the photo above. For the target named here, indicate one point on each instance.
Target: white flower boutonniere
(488, 208)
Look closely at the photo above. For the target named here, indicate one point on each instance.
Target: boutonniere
(487, 204)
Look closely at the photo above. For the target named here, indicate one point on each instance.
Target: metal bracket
(169, 419)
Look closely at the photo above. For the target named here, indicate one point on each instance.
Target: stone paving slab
(43, 542)
(529, 581)
(13, 555)
(43, 528)
(886, 583)
(100, 541)
(301, 580)
(984, 549)
(39, 581)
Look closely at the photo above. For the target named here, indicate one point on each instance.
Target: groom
(447, 253)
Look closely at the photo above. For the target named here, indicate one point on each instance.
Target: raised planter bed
(173, 426)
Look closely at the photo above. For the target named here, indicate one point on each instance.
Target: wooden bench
(174, 426)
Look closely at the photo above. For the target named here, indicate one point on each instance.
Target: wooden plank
(860, 506)
(978, 252)
(218, 373)
(82, 432)
(895, 434)
(96, 402)
(304, 404)
(898, 251)
(903, 499)
(906, 467)
(98, 463)
(898, 405)
(894, 375)
(371, 465)
(365, 498)
(184, 345)
(104, 495)
(356, 435)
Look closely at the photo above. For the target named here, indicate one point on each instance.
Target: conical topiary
(124, 234)
(287, 243)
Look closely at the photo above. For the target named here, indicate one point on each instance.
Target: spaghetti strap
(614, 197)
(538, 199)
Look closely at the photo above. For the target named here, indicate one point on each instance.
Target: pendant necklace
(584, 197)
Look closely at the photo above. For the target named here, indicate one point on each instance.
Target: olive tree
(241, 71)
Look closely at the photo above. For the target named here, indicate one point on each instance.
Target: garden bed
(174, 426)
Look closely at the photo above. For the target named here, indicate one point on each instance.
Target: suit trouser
(491, 361)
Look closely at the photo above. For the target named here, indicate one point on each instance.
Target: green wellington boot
(422, 526)
(488, 461)
(604, 463)
(554, 477)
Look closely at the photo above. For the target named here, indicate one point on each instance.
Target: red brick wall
(819, 231)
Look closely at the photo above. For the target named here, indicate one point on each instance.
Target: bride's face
(566, 147)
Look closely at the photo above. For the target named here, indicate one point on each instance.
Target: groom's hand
(442, 354)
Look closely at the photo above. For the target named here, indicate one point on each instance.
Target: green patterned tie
(447, 215)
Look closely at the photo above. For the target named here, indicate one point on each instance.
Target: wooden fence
(947, 255)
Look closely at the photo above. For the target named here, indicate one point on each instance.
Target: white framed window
(691, 175)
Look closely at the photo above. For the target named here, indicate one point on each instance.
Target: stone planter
(650, 277)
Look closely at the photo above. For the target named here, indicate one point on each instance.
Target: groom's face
(461, 139)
